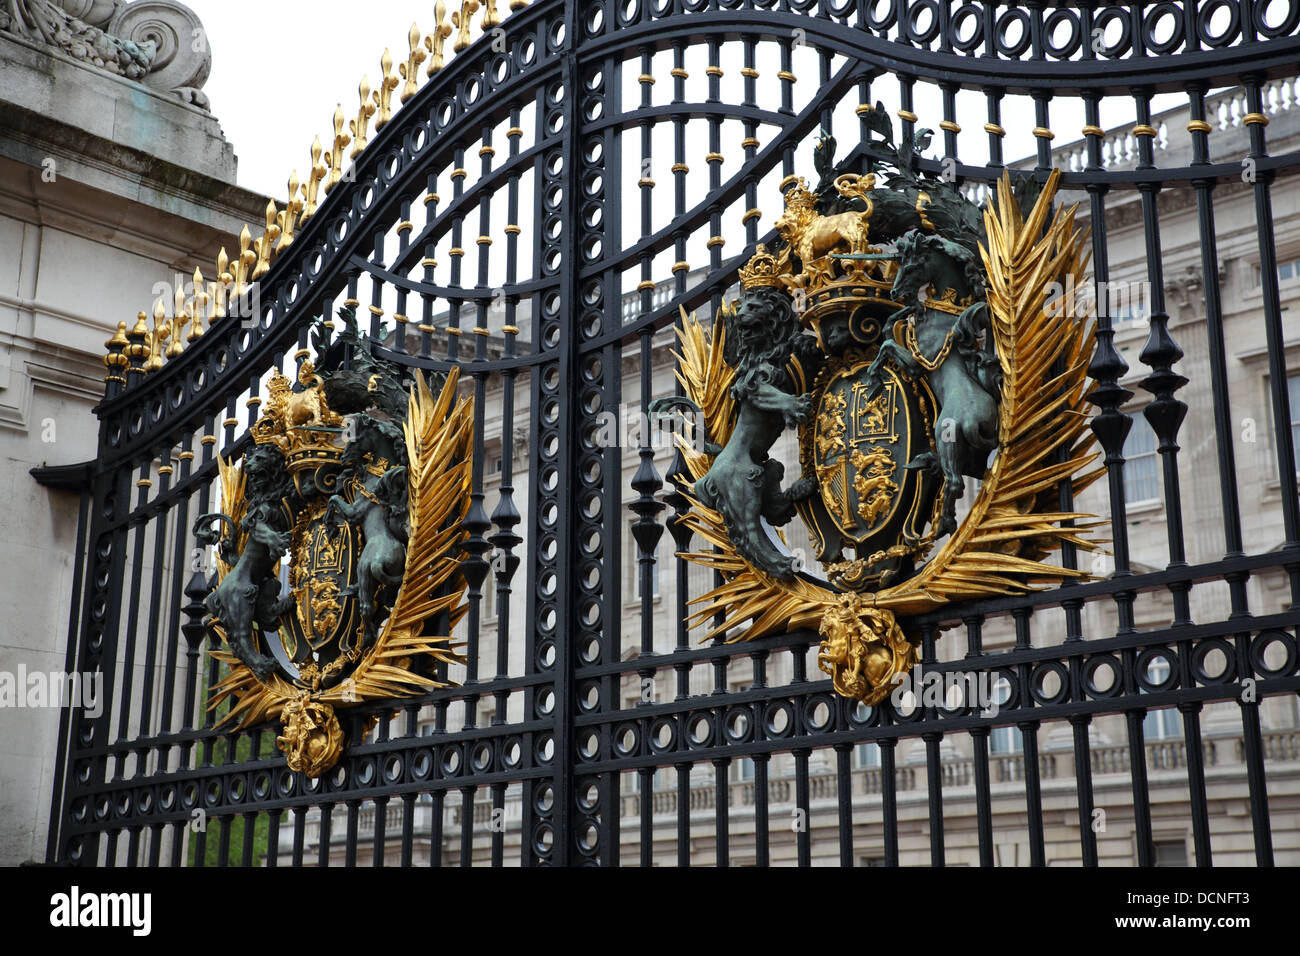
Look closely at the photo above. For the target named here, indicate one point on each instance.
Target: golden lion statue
(813, 236)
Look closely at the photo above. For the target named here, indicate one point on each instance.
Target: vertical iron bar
(1191, 712)
(844, 801)
(1033, 793)
(1137, 756)
(889, 798)
(1083, 785)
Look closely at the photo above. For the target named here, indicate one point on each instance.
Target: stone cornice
(80, 161)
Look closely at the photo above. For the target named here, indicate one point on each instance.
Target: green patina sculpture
(744, 483)
(946, 350)
(379, 509)
(250, 593)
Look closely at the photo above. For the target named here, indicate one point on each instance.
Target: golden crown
(765, 269)
(799, 196)
(300, 424)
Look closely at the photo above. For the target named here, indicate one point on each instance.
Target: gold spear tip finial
(117, 357)
(119, 337)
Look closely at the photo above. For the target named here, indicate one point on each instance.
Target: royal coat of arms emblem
(912, 339)
(359, 475)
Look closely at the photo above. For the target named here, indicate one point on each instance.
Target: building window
(1141, 462)
(1165, 723)
(1005, 740)
(1129, 312)
(1162, 724)
(867, 756)
(1288, 271)
(1170, 852)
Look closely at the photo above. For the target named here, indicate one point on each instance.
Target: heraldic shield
(337, 550)
(861, 441)
(909, 336)
(324, 583)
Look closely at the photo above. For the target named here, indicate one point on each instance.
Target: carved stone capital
(160, 43)
(182, 60)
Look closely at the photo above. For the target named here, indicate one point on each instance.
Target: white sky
(280, 68)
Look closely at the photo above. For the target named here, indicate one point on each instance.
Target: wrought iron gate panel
(585, 718)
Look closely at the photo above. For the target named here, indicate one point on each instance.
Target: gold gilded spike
(517, 5)
(117, 360)
(491, 19)
(311, 188)
(216, 298)
(410, 69)
(161, 332)
(434, 41)
(199, 307)
(388, 82)
(180, 319)
(244, 264)
(137, 350)
(334, 159)
(264, 245)
(288, 220)
(221, 288)
(462, 20)
(361, 125)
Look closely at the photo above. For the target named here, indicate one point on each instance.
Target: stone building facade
(114, 180)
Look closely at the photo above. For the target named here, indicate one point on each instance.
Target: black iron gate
(589, 726)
